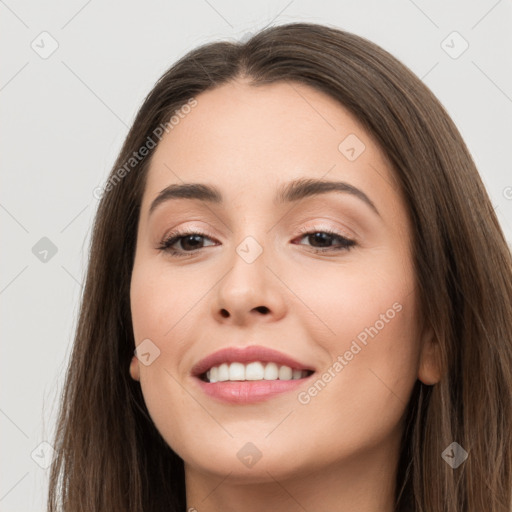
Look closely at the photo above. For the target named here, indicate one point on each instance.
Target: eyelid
(188, 229)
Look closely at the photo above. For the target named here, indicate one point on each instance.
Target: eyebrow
(289, 192)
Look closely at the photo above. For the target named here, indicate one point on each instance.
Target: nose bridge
(247, 276)
(250, 236)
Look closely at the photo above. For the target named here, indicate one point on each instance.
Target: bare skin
(333, 449)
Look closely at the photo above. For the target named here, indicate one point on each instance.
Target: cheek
(368, 312)
(156, 309)
(374, 349)
(159, 302)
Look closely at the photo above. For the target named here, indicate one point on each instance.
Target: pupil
(188, 238)
(321, 237)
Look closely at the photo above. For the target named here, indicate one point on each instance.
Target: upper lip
(246, 355)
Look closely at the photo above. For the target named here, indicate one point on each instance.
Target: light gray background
(64, 118)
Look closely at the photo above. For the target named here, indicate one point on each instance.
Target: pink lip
(246, 355)
(243, 392)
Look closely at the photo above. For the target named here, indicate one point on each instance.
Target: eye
(322, 238)
(189, 240)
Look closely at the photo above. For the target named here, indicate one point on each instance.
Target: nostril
(262, 309)
(224, 313)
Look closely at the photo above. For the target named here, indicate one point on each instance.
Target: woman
(296, 243)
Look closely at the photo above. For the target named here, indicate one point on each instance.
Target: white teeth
(223, 373)
(271, 371)
(285, 373)
(236, 371)
(253, 371)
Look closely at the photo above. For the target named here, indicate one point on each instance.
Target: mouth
(250, 374)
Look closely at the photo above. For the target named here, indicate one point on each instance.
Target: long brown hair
(110, 455)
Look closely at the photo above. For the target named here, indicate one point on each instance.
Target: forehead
(250, 139)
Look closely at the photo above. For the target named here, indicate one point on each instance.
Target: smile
(243, 375)
(254, 371)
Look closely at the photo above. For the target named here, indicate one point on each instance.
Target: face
(323, 276)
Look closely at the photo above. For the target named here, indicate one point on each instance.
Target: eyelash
(175, 236)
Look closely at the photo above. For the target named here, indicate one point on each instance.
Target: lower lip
(244, 392)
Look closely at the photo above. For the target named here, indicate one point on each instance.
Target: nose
(249, 292)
